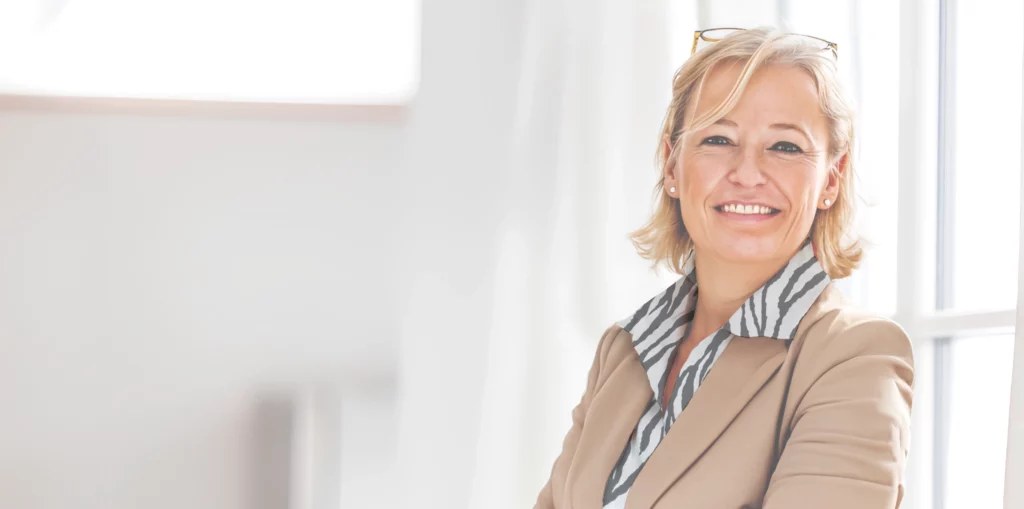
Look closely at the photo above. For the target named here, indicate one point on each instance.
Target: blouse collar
(773, 311)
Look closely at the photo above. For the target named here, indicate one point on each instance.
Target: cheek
(701, 174)
(801, 186)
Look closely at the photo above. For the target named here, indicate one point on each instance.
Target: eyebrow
(792, 127)
(777, 126)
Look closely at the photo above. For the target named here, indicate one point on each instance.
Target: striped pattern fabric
(658, 327)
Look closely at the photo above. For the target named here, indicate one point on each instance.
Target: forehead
(776, 92)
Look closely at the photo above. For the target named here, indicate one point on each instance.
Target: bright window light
(301, 51)
(987, 127)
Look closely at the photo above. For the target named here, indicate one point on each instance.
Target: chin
(747, 250)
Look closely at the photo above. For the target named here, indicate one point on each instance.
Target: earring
(828, 202)
(672, 189)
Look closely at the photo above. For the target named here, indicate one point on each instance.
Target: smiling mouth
(747, 210)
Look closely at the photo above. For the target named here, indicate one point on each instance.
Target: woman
(750, 382)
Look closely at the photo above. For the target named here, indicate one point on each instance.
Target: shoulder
(846, 357)
(616, 344)
(615, 351)
(835, 331)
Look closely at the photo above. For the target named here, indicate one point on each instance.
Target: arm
(850, 433)
(551, 495)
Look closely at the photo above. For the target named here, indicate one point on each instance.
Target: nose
(747, 171)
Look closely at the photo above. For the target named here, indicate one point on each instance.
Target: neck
(724, 286)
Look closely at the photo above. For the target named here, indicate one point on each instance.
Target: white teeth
(746, 209)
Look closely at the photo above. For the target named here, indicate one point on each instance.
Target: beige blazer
(822, 423)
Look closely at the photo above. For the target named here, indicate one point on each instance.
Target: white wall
(162, 277)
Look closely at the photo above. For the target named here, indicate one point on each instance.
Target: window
(977, 417)
(960, 184)
(292, 51)
(983, 117)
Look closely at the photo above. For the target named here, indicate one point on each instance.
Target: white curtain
(592, 88)
(530, 156)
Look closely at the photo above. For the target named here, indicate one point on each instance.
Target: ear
(832, 181)
(669, 175)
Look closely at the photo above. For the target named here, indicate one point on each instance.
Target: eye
(716, 140)
(787, 147)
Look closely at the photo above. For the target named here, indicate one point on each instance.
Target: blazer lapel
(744, 367)
(610, 422)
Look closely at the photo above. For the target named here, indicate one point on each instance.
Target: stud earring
(828, 202)
(672, 189)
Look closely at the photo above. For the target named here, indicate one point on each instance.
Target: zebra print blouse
(774, 311)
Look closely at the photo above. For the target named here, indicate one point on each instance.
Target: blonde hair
(664, 239)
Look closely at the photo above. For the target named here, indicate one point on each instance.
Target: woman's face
(750, 184)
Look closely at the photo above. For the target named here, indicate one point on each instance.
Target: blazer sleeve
(850, 433)
(551, 495)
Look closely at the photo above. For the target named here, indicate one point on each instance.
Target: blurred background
(358, 253)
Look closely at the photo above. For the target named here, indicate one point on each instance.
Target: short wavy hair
(663, 239)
